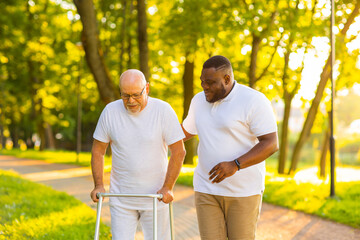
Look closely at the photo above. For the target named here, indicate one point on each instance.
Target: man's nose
(131, 99)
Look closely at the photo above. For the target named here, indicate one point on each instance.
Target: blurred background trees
(278, 47)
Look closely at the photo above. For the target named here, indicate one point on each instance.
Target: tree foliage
(268, 43)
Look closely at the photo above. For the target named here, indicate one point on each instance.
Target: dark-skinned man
(237, 131)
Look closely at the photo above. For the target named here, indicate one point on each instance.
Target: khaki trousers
(232, 218)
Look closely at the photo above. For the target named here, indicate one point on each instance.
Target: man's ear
(227, 79)
(147, 88)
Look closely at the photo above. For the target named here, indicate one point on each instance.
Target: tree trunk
(36, 104)
(287, 108)
(129, 52)
(37, 113)
(14, 133)
(253, 60)
(284, 143)
(188, 86)
(122, 37)
(2, 138)
(288, 95)
(78, 116)
(41, 132)
(35, 82)
(256, 47)
(306, 130)
(40, 125)
(129, 62)
(2, 119)
(28, 139)
(50, 140)
(325, 75)
(93, 51)
(142, 39)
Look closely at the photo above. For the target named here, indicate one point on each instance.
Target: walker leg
(98, 213)
(171, 221)
(154, 219)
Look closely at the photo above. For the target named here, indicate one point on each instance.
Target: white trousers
(124, 222)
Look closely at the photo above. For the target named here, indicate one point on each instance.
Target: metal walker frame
(154, 196)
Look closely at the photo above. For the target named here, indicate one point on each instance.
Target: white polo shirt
(228, 129)
(139, 148)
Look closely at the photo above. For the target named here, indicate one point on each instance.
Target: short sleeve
(262, 118)
(189, 123)
(101, 132)
(172, 131)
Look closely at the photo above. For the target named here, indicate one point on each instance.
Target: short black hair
(218, 62)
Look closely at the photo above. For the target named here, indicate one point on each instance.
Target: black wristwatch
(237, 164)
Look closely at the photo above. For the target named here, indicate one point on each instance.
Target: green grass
(283, 191)
(34, 211)
(314, 198)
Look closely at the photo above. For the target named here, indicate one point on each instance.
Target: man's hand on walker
(168, 195)
(96, 190)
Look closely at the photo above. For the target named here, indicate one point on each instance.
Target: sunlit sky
(315, 58)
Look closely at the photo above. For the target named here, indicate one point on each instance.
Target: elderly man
(140, 129)
(237, 132)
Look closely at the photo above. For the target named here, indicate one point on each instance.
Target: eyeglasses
(134, 96)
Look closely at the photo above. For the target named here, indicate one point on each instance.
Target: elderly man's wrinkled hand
(96, 190)
(168, 195)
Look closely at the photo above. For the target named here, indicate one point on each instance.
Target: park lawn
(314, 198)
(34, 211)
(281, 190)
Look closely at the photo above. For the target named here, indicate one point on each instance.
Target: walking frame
(154, 196)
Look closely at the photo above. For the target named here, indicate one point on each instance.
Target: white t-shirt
(228, 129)
(139, 148)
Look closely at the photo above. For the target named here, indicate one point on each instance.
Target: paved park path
(276, 223)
